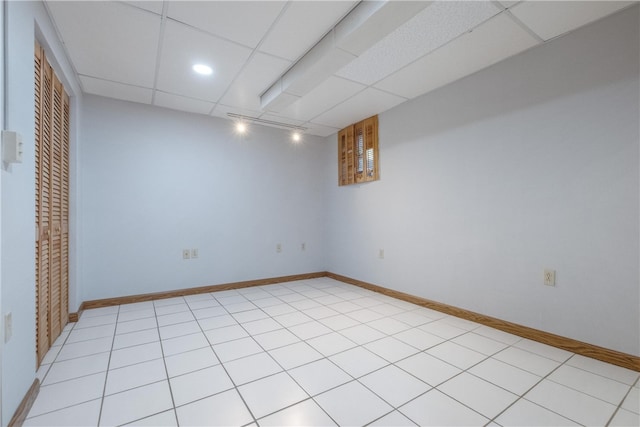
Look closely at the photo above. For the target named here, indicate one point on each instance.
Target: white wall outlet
(186, 254)
(549, 277)
(8, 327)
(278, 248)
(11, 147)
(381, 253)
(303, 247)
(194, 253)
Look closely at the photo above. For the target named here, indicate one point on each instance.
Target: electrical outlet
(194, 253)
(303, 247)
(8, 327)
(381, 253)
(278, 248)
(186, 254)
(549, 277)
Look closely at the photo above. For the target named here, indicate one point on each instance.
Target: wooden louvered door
(52, 204)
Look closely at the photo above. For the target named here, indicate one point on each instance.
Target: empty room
(320, 213)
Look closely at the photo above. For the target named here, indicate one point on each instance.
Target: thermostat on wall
(11, 147)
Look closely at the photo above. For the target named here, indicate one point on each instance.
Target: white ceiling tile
(329, 93)
(126, 55)
(184, 46)
(176, 102)
(116, 90)
(549, 19)
(493, 41)
(221, 110)
(435, 26)
(365, 104)
(151, 6)
(319, 130)
(280, 119)
(301, 25)
(508, 3)
(245, 22)
(259, 73)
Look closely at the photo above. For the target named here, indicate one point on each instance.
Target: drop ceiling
(143, 51)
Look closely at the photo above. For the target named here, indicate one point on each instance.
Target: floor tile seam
(387, 414)
(63, 408)
(153, 415)
(297, 403)
(78, 357)
(93, 326)
(166, 370)
(488, 417)
(432, 390)
(132, 320)
(171, 301)
(106, 377)
(134, 364)
(75, 377)
(235, 386)
(56, 356)
(591, 395)
(90, 339)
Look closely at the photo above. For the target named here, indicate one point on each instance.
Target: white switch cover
(194, 253)
(549, 277)
(8, 327)
(11, 147)
(278, 248)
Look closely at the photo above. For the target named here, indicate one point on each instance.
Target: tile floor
(316, 352)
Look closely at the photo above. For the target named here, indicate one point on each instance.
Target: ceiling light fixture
(296, 137)
(203, 69)
(241, 128)
(272, 123)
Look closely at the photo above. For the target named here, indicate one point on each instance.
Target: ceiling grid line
(163, 21)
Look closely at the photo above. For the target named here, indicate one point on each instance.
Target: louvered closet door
(52, 204)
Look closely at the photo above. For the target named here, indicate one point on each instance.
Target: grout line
(164, 361)
(106, 375)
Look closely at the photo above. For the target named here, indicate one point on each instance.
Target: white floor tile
(279, 310)
(135, 338)
(320, 376)
(85, 334)
(352, 404)
(89, 322)
(230, 299)
(571, 404)
(365, 315)
(530, 362)
(84, 348)
(461, 323)
(389, 325)
(391, 349)
(178, 330)
(207, 303)
(358, 361)
(196, 385)
(68, 393)
(497, 335)
(136, 325)
(437, 409)
(478, 394)
(339, 322)
(134, 404)
(386, 309)
(261, 326)
(362, 334)
(75, 368)
(330, 344)
(320, 312)
(136, 315)
(226, 333)
(163, 419)
(178, 345)
(203, 313)
(172, 319)
(251, 368)
(479, 343)
(291, 319)
(294, 355)
(309, 330)
(93, 312)
(345, 307)
(413, 318)
(443, 329)
(133, 376)
(271, 394)
(168, 301)
(132, 355)
(632, 401)
(456, 355)
(625, 418)
(136, 306)
(524, 413)
(429, 369)
(394, 385)
(594, 385)
(62, 338)
(190, 361)
(306, 413)
(236, 349)
(275, 339)
(266, 302)
(51, 355)
(395, 419)
(84, 414)
(249, 315)
(217, 322)
(608, 370)
(506, 376)
(305, 304)
(42, 371)
(241, 306)
(418, 338)
(544, 350)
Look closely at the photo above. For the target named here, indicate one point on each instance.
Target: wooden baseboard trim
(25, 406)
(589, 350)
(73, 317)
(192, 291)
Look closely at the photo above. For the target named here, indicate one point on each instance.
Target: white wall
(155, 181)
(527, 165)
(25, 20)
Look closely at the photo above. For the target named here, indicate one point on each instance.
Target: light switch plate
(11, 147)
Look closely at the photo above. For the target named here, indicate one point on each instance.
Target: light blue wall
(156, 181)
(529, 164)
(25, 21)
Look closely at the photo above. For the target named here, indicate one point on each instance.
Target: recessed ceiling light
(241, 128)
(205, 70)
(296, 137)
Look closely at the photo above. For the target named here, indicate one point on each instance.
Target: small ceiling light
(241, 128)
(202, 69)
(296, 137)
